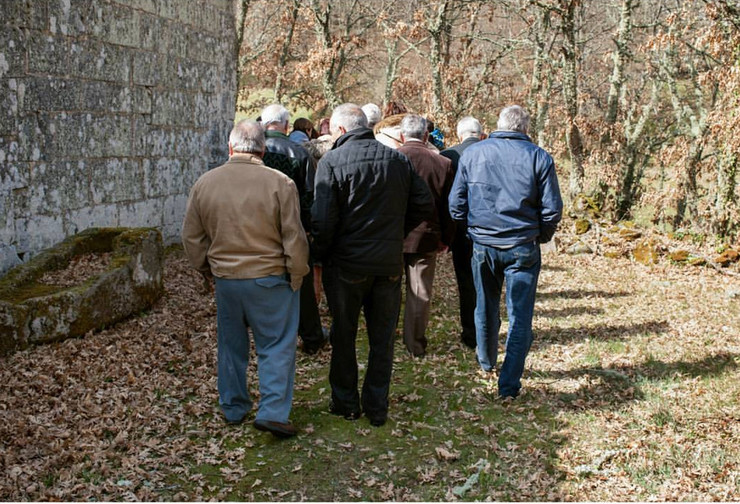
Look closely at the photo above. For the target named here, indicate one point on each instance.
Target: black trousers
(462, 253)
(380, 299)
(309, 323)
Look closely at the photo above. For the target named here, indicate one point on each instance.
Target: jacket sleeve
(195, 240)
(308, 171)
(325, 210)
(458, 199)
(446, 224)
(551, 203)
(295, 245)
(420, 204)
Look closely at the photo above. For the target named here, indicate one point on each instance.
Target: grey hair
(413, 126)
(373, 114)
(247, 136)
(349, 116)
(513, 118)
(468, 126)
(275, 114)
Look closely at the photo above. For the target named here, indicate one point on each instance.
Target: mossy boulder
(646, 252)
(32, 312)
(679, 255)
(727, 257)
(581, 226)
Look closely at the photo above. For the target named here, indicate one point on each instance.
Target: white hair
(514, 118)
(349, 116)
(413, 126)
(247, 136)
(275, 114)
(468, 127)
(373, 114)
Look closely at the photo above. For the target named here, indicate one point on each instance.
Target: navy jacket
(507, 190)
(367, 198)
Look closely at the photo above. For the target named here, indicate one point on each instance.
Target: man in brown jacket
(431, 236)
(243, 227)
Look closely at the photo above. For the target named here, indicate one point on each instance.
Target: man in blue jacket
(506, 190)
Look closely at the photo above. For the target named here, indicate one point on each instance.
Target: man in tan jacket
(243, 227)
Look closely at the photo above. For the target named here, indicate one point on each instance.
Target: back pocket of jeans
(272, 281)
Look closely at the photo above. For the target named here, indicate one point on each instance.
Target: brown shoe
(281, 430)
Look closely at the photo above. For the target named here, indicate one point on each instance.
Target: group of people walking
(369, 214)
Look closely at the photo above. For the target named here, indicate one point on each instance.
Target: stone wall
(109, 111)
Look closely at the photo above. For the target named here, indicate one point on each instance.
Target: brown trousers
(419, 279)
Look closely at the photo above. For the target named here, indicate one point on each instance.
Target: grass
(614, 387)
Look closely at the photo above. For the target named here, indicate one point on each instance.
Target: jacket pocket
(273, 281)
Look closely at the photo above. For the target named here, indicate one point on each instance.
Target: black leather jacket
(367, 198)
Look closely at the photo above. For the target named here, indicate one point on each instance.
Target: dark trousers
(462, 252)
(380, 299)
(309, 324)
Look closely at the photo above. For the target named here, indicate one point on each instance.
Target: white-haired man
(367, 195)
(296, 162)
(242, 226)
(373, 114)
(469, 132)
(507, 191)
(431, 236)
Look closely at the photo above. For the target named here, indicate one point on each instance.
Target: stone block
(96, 60)
(32, 312)
(206, 107)
(75, 17)
(116, 180)
(164, 176)
(146, 213)
(50, 94)
(121, 25)
(32, 144)
(141, 100)
(55, 186)
(37, 232)
(12, 52)
(25, 14)
(8, 257)
(152, 33)
(173, 108)
(49, 55)
(172, 217)
(97, 96)
(150, 69)
(92, 216)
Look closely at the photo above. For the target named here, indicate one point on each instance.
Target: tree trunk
(284, 52)
(570, 94)
(437, 32)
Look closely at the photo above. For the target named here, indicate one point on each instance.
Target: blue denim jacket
(507, 190)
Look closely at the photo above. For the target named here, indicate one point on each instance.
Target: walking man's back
(506, 190)
(367, 197)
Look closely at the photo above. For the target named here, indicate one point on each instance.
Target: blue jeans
(380, 298)
(270, 307)
(520, 267)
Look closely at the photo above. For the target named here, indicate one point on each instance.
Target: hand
(317, 272)
(207, 282)
(295, 282)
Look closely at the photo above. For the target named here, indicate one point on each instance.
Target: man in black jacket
(295, 161)
(469, 131)
(367, 198)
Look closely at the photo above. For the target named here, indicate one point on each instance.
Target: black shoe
(377, 421)
(348, 415)
(277, 429)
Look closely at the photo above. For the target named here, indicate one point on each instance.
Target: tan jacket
(243, 221)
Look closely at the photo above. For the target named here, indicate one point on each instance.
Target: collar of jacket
(355, 134)
(470, 140)
(510, 135)
(275, 134)
(246, 157)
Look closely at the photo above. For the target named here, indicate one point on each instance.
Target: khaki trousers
(419, 279)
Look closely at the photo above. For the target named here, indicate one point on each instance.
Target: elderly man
(507, 190)
(469, 131)
(242, 226)
(431, 236)
(295, 161)
(373, 114)
(367, 195)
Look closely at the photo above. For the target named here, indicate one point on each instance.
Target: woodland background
(637, 100)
